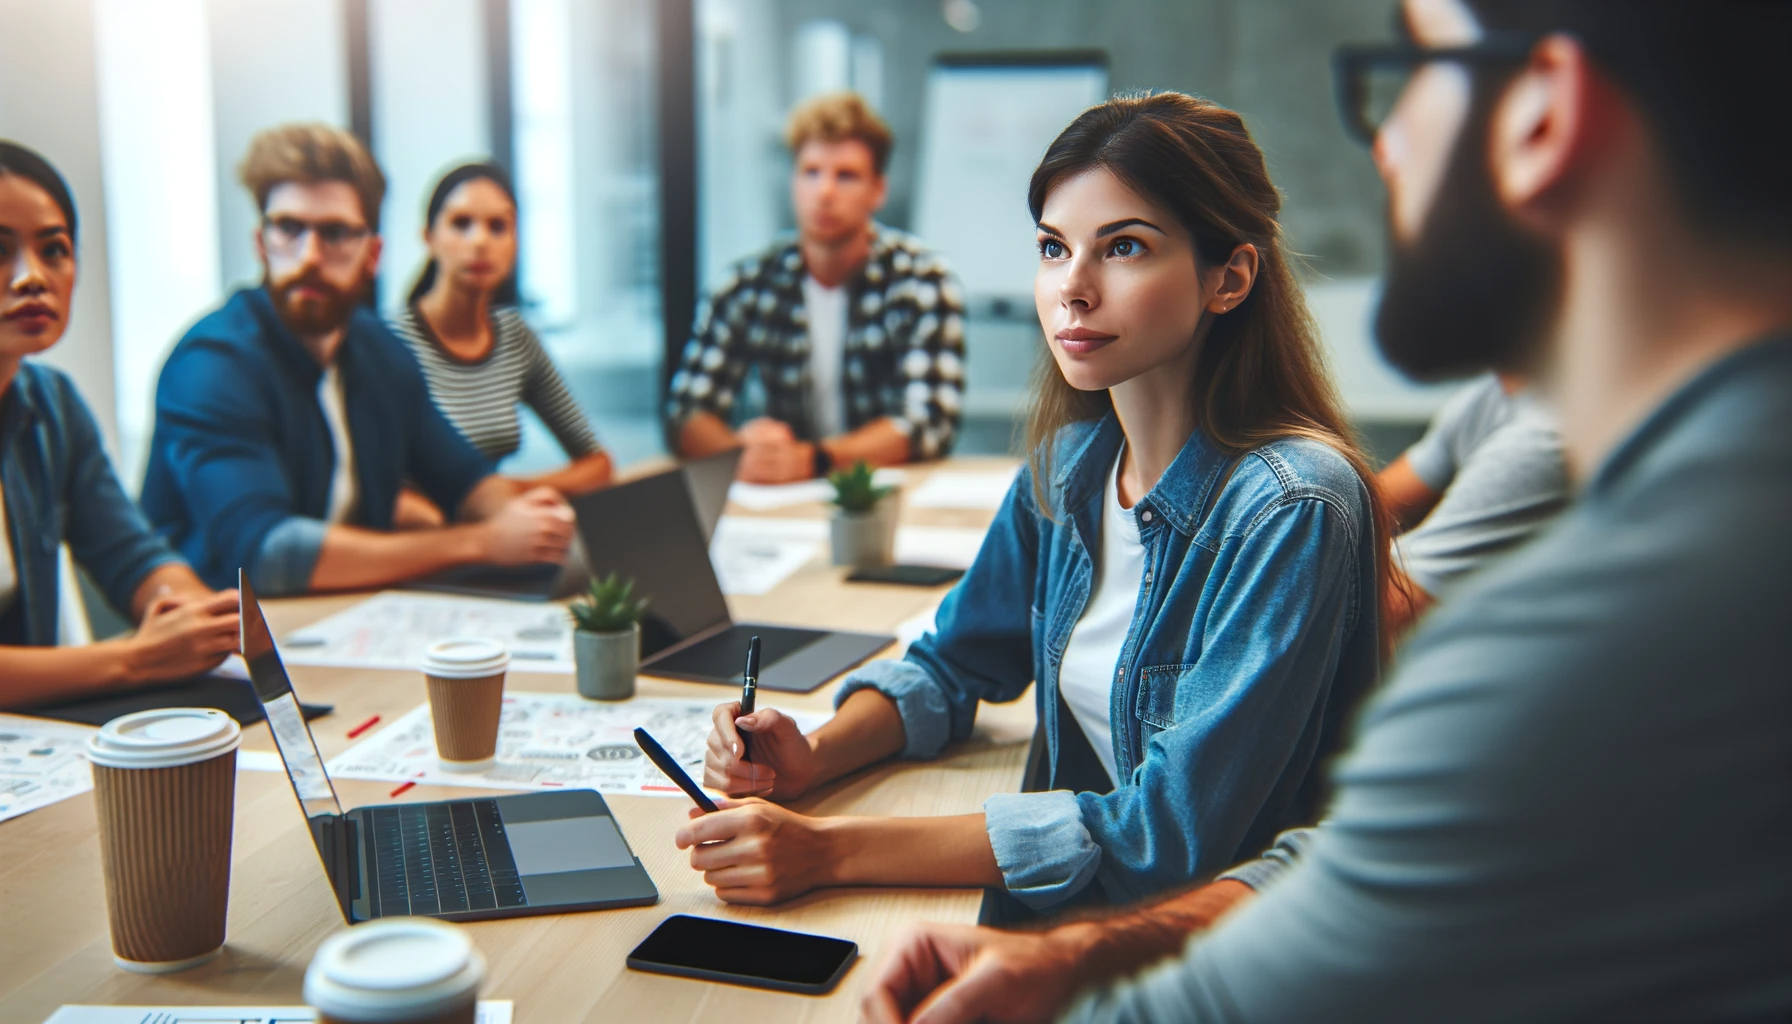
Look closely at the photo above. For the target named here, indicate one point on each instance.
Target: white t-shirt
(826, 310)
(9, 573)
(343, 491)
(1092, 658)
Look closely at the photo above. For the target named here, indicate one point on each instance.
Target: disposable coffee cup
(399, 969)
(164, 784)
(466, 696)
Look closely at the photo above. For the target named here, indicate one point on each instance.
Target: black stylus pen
(749, 689)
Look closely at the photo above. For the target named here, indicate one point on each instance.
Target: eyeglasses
(337, 240)
(1369, 78)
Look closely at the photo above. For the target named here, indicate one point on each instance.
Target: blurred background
(644, 136)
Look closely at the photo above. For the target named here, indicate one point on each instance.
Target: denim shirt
(241, 460)
(60, 486)
(1255, 634)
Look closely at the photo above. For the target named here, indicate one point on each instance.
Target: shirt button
(1145, 515)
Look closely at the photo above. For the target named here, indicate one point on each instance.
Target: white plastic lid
(399, 968)
(466, 658)
(164, 738)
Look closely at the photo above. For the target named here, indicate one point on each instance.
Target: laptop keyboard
(441, 858)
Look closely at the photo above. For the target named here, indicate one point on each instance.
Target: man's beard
(1474, 292)
(309, 316)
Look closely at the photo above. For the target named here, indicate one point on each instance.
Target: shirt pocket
(1156, 704)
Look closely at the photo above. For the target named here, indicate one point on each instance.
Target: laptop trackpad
(567, 844)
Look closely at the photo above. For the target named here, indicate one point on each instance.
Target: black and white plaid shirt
(904, 348)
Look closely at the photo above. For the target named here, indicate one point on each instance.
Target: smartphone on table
(744, 954)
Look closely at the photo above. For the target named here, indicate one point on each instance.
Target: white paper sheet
(753, 555)
(554, 741)
(491, 1011)
(954, 547)
(763, 497)
(953, 489)
(393, 629)
(41, 762)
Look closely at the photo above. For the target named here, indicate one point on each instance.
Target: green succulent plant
(854, 490)
(610, 606)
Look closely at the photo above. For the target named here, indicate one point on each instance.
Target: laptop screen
(298, 751)
(647, 530)
(709, 479)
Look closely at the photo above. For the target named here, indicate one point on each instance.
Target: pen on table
(749, 689)
(401, 789)
(363, 727)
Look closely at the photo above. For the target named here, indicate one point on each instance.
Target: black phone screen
(706, 947)
(908, 575)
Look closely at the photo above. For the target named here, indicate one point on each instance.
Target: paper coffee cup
(401, 969)
(164, 784)
(466, 697)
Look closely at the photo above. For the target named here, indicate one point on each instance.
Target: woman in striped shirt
(478, 355)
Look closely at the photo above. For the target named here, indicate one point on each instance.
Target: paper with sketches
(554, 741)
(393, 629)
(954, 547)
(491, 1011)
(761, 497)
(41, 762)
(952, 489)
(753, 555)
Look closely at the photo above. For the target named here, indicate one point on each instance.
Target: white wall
(155, 92)
(272, 61)
(50, 102)
(430, 112)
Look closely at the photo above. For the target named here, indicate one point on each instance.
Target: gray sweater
(1624, 684)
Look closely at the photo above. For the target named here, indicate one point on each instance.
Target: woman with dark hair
(57, 487)
(1188, 565)
(480, 358)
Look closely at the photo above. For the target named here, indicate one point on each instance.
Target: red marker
(363, 727)
(402, 788)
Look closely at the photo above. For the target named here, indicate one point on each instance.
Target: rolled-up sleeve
(981, 647)
(1042, 846)
(288, 556)
(1276, 861)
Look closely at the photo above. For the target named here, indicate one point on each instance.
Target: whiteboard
(984, 128)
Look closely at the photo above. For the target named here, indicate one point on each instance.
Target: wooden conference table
(55, 947)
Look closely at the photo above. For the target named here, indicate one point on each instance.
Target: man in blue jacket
(287, 420)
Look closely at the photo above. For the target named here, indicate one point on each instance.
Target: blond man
(855, 330)
(287, 419)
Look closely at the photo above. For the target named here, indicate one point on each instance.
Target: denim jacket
(60, 486)
(1256, 635)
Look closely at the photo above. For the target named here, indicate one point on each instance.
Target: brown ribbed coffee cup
(466, 699)
(164, 785)
(397, 970)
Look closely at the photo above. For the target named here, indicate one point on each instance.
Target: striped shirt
(481, 397)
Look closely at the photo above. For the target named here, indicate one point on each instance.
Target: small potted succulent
(864, 524)
(607, 642)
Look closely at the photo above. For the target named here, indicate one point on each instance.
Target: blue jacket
(60, 487)
(1255, 636)
(241, 459)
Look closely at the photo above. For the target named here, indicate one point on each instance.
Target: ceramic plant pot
(607, 663)
(866, 539)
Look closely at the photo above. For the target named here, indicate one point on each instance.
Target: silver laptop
(462, 860)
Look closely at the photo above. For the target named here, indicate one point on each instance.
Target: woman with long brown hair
(1189, 565)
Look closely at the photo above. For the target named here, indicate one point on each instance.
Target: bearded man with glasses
(287, 420)
(1570, 801)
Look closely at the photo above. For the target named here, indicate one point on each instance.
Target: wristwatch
(823, 462)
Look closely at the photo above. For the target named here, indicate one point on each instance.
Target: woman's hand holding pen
(758, 853)
(783, 764)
